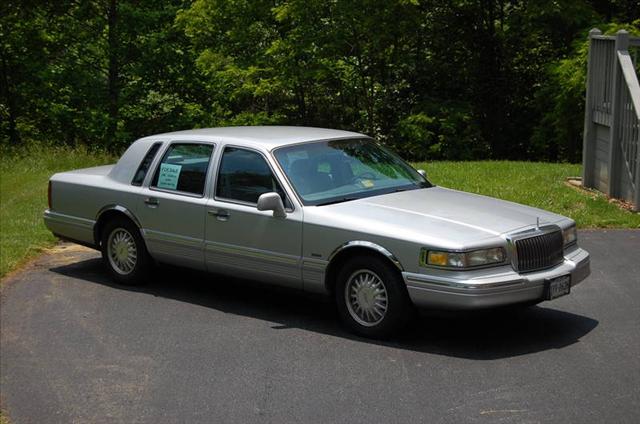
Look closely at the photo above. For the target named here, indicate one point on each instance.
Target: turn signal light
(470, 259)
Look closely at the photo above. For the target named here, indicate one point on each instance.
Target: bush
(446, 133)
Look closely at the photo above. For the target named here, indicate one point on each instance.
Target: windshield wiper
(406, 188)
(422, 185)
(340, 200)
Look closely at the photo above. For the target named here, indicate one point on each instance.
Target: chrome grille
(540, 251)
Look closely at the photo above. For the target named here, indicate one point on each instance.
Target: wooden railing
(611, 151)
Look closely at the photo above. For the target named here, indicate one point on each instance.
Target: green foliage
(460, 79)
(559, 132)
(448, 133)
(56, 63)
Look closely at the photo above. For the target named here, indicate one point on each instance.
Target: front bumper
(490, 288)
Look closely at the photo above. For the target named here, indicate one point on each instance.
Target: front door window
(244, 175)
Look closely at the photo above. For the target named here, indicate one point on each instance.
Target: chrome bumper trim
(70, 227)
(55, 217)
(435, 281)
(482, 291)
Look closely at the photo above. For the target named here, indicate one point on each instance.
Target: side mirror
(272, 202)
(422, 172)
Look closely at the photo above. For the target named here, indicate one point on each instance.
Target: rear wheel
(124, 252)
(371, 297)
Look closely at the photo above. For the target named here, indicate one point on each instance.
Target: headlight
(474, 258)
(570, 235)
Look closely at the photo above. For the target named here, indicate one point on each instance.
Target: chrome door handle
(151, 201)
(220, 214)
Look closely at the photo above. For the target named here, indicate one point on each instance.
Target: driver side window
(244, 175)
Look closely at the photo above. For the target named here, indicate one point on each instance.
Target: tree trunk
(113, 87)
(8, 96)
(301, 103)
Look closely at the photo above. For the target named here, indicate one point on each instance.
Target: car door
(172, 205)
(240, 239)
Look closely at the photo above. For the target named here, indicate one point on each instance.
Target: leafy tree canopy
(452, 79)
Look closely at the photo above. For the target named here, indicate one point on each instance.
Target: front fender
(366, 245)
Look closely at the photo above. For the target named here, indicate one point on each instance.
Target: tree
(433, 79)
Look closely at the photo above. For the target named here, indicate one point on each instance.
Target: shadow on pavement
(482, 335)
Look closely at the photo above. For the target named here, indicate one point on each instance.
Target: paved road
(194, 348)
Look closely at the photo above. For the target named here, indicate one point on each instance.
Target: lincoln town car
(324, 211)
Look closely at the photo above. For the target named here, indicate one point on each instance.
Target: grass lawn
(23, 198)
(24, 175)
(532, 183)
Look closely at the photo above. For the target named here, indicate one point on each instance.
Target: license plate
(557, 287)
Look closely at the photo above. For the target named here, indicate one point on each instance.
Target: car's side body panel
(244, 242)
(173, 223)
(250, 243)
(173, 229)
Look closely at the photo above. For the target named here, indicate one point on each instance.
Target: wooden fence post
(622, 43)
(589, 139)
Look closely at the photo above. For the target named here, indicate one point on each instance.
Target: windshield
(334, 171)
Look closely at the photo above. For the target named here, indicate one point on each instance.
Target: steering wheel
(363, 176)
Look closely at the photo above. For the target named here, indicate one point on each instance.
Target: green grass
(23, 197)
(532, 183)
(24, 175)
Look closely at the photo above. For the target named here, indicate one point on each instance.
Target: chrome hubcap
(121, 250)
(366, 297)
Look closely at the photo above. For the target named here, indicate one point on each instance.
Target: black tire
(139, 271)
(398, 305)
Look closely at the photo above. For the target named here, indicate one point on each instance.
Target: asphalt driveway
(192, 347)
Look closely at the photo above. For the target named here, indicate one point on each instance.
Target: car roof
(268, 137)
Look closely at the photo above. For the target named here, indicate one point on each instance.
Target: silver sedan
(325, 211)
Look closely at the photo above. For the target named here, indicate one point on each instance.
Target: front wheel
(371, 297)
(124, 252)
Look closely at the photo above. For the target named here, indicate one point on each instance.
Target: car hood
(437, 213)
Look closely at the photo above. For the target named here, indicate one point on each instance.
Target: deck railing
(611, 151)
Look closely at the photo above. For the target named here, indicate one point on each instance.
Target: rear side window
(244, 175)
(183, 168)
(138, 178)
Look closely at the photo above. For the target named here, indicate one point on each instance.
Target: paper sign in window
(169, 175)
